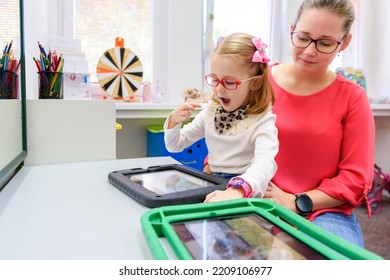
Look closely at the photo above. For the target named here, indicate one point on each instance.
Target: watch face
(236, 182)
(304, 203)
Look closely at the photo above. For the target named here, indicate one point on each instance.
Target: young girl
(238, 125)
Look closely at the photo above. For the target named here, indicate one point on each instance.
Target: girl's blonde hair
(239, 47)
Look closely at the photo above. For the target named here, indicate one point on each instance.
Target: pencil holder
(50, 85)
(9, 84)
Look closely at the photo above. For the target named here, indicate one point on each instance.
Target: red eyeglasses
(229, 84)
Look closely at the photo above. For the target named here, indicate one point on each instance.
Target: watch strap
(247, 189)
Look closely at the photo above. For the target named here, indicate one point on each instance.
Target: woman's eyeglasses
(302, 41)
(226, 83)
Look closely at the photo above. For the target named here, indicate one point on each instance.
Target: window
(224, 17)
(98, 23)
(230, 16)
(9, 27)
(170, 22)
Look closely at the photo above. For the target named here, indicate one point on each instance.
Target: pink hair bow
(259, 55)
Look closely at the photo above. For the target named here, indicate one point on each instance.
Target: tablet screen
(169, 181)
(241, 237)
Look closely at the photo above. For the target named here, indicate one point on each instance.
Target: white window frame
(209, 29)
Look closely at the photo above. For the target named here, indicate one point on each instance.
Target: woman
(325, 124)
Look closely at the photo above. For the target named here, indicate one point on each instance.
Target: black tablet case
(121, 180)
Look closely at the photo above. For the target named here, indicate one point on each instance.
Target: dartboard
(119, 72)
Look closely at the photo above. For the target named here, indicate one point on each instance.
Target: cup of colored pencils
(50, 85)
(9, 78)
(50, 74)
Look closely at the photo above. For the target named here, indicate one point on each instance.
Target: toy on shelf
(195, 95)
(355, 75)
(119, 71)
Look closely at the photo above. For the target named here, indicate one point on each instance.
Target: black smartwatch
(304, 204)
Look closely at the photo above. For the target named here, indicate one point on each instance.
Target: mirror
(13, 141)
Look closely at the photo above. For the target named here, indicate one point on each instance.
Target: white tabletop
(71, 211)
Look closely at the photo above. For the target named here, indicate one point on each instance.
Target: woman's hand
(320, 199)
(274, 193)
(182, 113)
(228, 194)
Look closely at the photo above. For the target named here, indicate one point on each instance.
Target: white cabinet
(70, 130)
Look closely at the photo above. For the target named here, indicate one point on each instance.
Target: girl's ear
(257, 83)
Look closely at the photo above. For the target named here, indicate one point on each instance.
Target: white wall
(375, 45)
(35, 29)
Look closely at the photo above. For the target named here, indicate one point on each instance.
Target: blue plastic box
(193, 156)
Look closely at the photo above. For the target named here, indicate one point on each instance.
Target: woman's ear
(346, 42)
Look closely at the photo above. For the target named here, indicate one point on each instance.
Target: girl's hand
(274, 193)
(228, 194)
(182, 113)
(206, 169)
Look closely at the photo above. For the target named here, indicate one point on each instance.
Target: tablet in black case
(170, 184)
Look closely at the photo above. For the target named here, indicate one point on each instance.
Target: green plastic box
(252, 228)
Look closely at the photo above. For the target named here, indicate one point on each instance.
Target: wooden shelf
(161, 110)
(380, 109)
(128, 110)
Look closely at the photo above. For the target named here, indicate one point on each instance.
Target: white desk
(71, 211)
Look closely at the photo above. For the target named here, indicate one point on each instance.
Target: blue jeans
(346, 227)
(225, 175)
